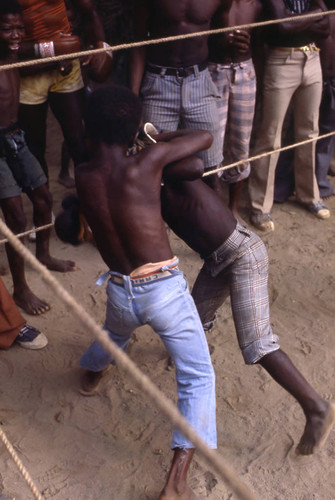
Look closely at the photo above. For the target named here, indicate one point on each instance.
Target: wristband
(108, 52)
(46, 49)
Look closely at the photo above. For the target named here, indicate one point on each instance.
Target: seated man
(119, 195)
(19, 169)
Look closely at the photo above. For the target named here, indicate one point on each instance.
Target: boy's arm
(188, 169)
(175, 146)
(138, 54)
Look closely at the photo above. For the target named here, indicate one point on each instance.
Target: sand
(115, 445)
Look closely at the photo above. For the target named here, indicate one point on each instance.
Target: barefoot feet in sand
(62, 266)
(30, 304)
(186, 494)
(90, 381)
(317, 429)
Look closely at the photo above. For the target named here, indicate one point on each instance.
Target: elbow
(199, 168)
(207, 139)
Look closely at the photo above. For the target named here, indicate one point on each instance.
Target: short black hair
(113, 115)
(67, 223)
(10, 7)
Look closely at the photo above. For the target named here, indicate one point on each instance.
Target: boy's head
(113, 115)
(11, 26)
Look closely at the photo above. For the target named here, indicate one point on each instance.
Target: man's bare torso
(121, 200)
(9, 96)
(171, 17)
(240, 12)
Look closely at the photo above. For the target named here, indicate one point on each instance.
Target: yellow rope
(156, 41)
(268, 153)
(20, 465)
(139, 378)
(33, 230)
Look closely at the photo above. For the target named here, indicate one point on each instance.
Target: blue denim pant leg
(168, 308)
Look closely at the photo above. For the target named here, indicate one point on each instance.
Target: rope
(20, 465)
(33, 230)
(156, 41)
(139, 378)
(268, 153)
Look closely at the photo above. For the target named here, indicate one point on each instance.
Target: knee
(14, 217)
(42, 202)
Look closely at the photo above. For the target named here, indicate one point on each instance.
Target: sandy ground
(115, 445)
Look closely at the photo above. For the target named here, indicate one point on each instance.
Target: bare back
(171, 17)
(197, 214)
(121, 201)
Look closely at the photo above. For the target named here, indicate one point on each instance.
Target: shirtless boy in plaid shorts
(236, 263)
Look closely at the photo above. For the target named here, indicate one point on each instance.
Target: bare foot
(91, 380)
(66, 181)
(316, 431)
(31, 304)
(187, 494)
(62, 266)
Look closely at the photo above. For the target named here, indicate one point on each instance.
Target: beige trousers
(289, 76)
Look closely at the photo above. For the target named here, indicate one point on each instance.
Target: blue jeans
(167, 306)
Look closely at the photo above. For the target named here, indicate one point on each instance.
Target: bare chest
(184, 11)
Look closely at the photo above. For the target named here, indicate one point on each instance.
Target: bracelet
(108, 52)
(46, 49)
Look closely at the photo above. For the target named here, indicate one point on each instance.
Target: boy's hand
(240, 41)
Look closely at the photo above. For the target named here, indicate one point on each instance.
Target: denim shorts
(19, 169)
(239, 268)
(167, 306)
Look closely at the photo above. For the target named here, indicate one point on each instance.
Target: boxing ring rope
(141, 380)
(206, 174)
(268, 153)
(156, 41)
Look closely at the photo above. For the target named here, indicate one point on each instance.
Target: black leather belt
(181, 72)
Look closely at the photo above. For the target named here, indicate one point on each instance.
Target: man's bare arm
(188, 169)
(138, 55)
(279, 11)
(175, 146)
(91, 21)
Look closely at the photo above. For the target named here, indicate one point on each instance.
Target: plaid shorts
(239, 267)
(236, 84)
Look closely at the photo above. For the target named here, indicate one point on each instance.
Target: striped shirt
(43, 19)
(298, 6)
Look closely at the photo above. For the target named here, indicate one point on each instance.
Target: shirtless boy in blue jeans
(119, 195)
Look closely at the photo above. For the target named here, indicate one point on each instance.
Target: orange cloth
(11, 320)
(150, 267)
(43, 19)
